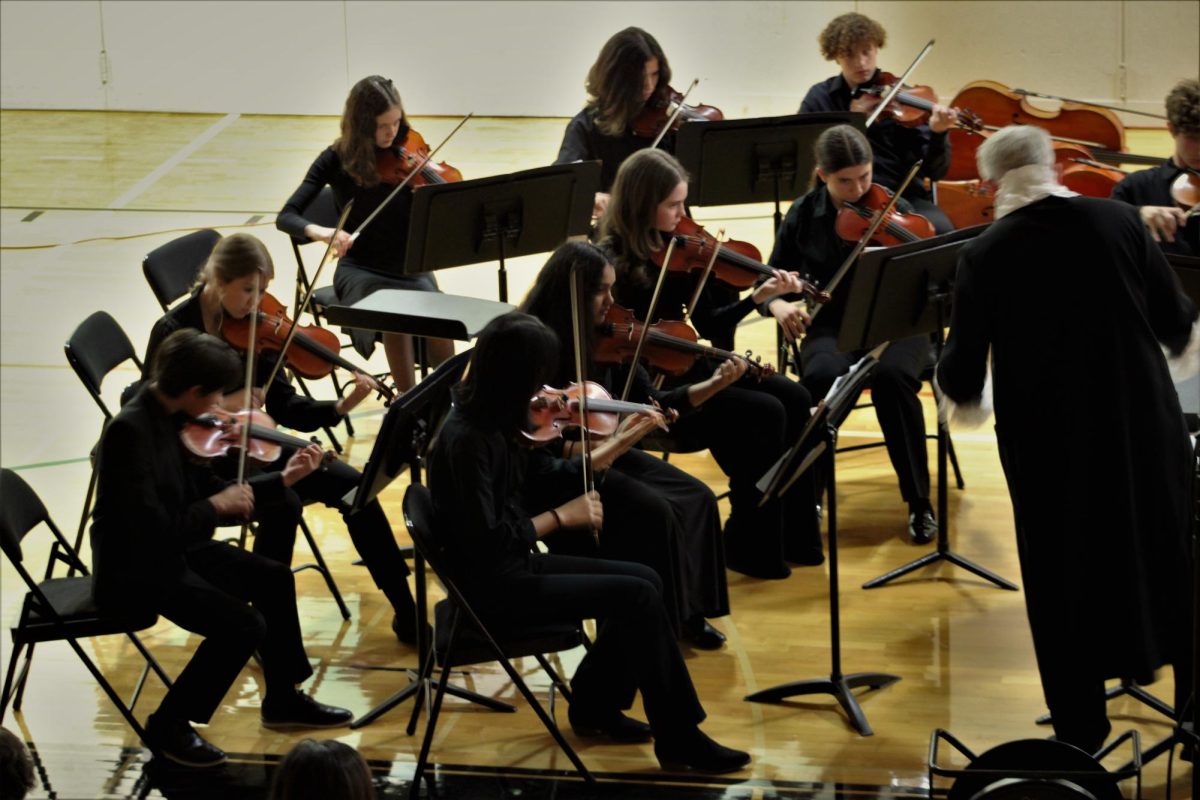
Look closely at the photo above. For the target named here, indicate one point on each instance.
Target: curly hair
(614, 83)
(370, 97)
(846, 32)
(1183, 106)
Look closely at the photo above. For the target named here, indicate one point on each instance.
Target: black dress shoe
(177, 741)
(694, 750)
(702, 635)
(805, 557)
(922, 526)
(405, 628)
(612, 725)
(301, 711)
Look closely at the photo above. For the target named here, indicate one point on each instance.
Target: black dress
(1091, 438)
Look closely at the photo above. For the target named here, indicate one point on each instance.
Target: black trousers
(894, 389)
(635, 647)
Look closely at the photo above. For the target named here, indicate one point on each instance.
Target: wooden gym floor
(87, 194)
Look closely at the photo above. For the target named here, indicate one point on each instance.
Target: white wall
(530, 58)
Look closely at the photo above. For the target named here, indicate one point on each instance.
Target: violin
(552, 411)
(315, 350)
(738, 264)
(217, 432)
(1185, 189)
(393, 164)
(911, 106)
(650, 120)
(672, 346)
(854, 218)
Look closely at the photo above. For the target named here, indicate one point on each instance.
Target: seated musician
(854, 41)
(153, 551)
(1150, 189)
(807, 241)
(226, 291)
(478, 468)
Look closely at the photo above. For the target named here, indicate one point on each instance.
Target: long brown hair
(644, 180)
(839, 147)
(614, 83)
(236, 256)
(370, 97)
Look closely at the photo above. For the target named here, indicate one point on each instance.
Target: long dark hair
(644, 180)
(839, 147)
(322, 769)
(614, 83)
(550, 300)
(370, 97)
(514, 356)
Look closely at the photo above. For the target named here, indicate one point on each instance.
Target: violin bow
(589, 477)
(899, 84)
(671, 119)
(866, 237)
(409, 177)
(687, 312)
(312, 284)
(248, 401)
(637, 351)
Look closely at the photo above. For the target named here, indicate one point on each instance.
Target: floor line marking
(165, 167)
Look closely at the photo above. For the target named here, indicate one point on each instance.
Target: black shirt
(896, 147)
(808, 243)
(1152, 187)
(583, 141)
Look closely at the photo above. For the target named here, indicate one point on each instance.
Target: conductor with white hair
(1068, 311)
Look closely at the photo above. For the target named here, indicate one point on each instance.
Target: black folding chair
(460, 638)
(59, 609)
(96, 348)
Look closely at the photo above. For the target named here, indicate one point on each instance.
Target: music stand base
(423, 688)
(934, 557)
(1132, 690)
(839, 686)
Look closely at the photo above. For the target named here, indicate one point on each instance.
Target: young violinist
(1151, 189)
(747, 425)
(655, 514)
(153, 552)
(373, 123)
(630, 71)
(225, 291)
(807, 241)
(478, 475)
(853, 41)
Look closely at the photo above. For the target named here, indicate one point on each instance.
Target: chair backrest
(95, 349)
(171, 269)
(322, 211)
(20, 511)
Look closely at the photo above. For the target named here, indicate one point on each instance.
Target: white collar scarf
(1024, 185)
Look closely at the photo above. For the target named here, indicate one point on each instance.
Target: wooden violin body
(911, 106)
(854, 219)
(654, 115)
(395, 163)
(553, 411)
(219, 431)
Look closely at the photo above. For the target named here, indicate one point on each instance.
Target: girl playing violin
(372, 122)
(655, 514)
(807, 241)
(225, 290)
(853, 41)
(479, 474)
(748, 425)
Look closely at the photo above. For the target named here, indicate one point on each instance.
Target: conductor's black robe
(1076, 303)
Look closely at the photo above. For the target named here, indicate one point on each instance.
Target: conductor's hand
(584, 511)
(235, 500)
(792, 319)
(1163, 221)
(302, 464)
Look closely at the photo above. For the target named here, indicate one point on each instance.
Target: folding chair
(460, 638)
(59, 609)
(96, 348)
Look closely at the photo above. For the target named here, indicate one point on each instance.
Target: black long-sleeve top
(1152, 187)
(381, 245)
(583, 141)
(151, 499)
(896, 147)
(283, 403)
(808, 243)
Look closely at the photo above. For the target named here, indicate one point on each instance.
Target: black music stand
(504, 216)
(738, 161)
(819, 440)
(900, 292)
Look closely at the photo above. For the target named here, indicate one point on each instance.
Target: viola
(1185, 189)
(672, 346)
(854, 218)
(393, 164)
(738, 264)
(314, 351)
(911, 106)
(219, 431)
(552, 411)
(650, 120)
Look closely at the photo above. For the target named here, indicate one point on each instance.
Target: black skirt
(353, 282)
